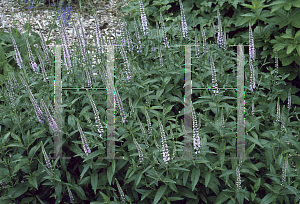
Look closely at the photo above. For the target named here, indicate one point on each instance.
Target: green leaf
(94, 181)
(144, 192)
(257, 184)
(139, 177)
(158, 93)
(4, 138)
(167, 180)
(86, 167)
(268, 198)
(105, 197)
(33, 151)
(185, 177)
(173, 187)
(222, 197)
(174, 198)
(110, 174)
(93, 155)
(160, 192)
(186, 192)
(195, 177)
(17, 190)
(79, 192)
(207, 178)
(71, 120)
(251, 139)
(290, 48)
(227, 173)
(33, 182)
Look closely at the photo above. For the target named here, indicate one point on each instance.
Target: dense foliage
(149, 82)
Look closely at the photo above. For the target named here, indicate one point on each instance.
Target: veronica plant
(150, 168)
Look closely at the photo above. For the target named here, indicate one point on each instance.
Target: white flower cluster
(166, 155)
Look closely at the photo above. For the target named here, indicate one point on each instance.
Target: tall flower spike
(220, 33)
(51, 121)
(183, 21)
(17, 57)
(72, 201)
(143, 18)
(33, 63)
(45, 48)
(148, 123)
(158, 33)
(65, 41)
(252, 52)
(278, 111)
(129, 40)
(139, 48)
(166, 155)
(42, 67)
(289, 100)
(127, 70)
(10, 94)
(282, 121)
(119, 103)
(144, 133)
(174, 149)
(86, 148)
(276, 65)
(204, 40)
(98, 34)
(196, 138)
(252, 107)
(120, 191)
(97, 119)
(37, 109)
(11, 85)
(139, 150)
(164, 32)
(48, 163)
(284, 171)
(238, 179)
(15, 81)
(214, 76)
